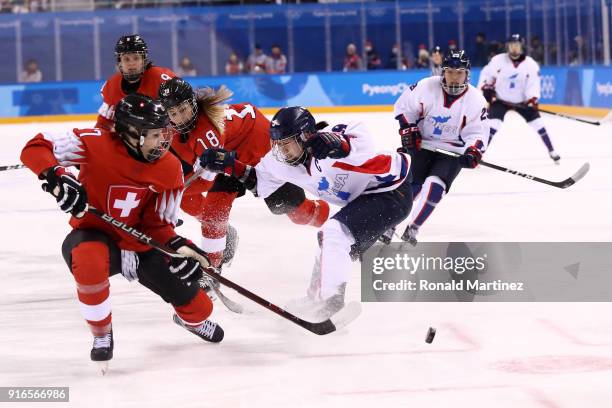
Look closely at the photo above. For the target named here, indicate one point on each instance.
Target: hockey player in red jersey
(205, 121)
(128, 175)
(137, 74)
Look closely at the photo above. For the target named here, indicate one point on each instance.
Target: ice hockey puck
(431, 333)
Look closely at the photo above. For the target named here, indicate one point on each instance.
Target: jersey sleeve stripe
(67, 148)
(380, 164)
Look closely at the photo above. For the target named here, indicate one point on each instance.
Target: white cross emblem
(127, 205)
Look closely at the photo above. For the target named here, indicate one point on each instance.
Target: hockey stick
(561, 115)
(559, 184)
(345, 316)
(13, 167)
(570, 117)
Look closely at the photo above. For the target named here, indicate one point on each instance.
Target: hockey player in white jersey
(443, 112)
(512, 82)
(340, 165)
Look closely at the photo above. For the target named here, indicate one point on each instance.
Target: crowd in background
(26, 6)
(275, 62)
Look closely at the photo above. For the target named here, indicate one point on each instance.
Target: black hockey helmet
(289, 124)
(291, 121)
(132, 44)
(138, 116)
(456, 59)
(516, 38)
(513, 39)
(177, 94)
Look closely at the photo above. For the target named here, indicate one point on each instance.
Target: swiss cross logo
(122, 200)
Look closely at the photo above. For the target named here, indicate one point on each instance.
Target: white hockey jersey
(338, 181)
(452, 125)
(513, 82)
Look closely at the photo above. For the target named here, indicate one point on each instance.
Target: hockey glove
(187, 268)
(328, 144)
(470, 158)
(218, 160)
(67, 190)
(411, 137)
(488, 91)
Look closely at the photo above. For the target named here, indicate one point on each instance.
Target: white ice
(485, 354)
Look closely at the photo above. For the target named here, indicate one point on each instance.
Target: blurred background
(51, 41)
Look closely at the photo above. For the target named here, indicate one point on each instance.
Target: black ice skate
(208, 330)
(102, 350)
(387, 237)
(410, 235)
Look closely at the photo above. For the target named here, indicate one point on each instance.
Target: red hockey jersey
(144, 195)
(112, 92)
(246, 132)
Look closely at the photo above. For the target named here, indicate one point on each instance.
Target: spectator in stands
(496, 47)
(256, 63)
(5, 6)
(422, 61)
(276, 63)
(435, 60)
(31, 73)
(374, 62)
(234, 66)
(536, 50)
(578, 51)
(481, 52)
(19, 6)
(37, 5)
(372, 58)
(392, 63)
(352, 61)
(186, 68)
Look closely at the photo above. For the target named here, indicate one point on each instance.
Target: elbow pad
(310, 212)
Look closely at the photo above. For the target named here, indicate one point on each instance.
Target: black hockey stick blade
(341, 319)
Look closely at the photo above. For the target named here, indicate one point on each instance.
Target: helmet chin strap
(299, 160)
(136, 149)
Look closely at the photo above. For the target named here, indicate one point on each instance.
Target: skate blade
(103, 366)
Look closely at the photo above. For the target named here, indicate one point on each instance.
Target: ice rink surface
(485, 354)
